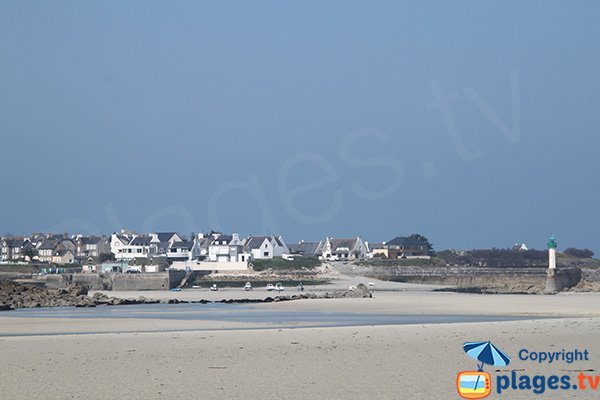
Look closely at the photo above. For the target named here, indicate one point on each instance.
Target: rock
(77, 290)
(99, 296)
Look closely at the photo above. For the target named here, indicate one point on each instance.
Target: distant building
(180, 251)
(266, 247)
(161, 241)
(12, 249)
(129, 245)
(304, 249)
(63, 256)
(226, 248)
(377, 249)
(404, 247)
(342, 249)
(91, 246)
(519, 247)
(47, 248)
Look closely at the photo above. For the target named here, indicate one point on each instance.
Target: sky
(473, 123)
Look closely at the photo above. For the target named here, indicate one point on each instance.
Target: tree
(104, 257)
(422, 238)
(579, 253)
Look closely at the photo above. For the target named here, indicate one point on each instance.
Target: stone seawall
(526, 280)
(122, 282)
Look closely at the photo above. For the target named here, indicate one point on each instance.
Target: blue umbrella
(487, 353)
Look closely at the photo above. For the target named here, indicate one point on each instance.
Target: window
(266, 254)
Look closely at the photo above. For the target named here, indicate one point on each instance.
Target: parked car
(279, 287)
(248, 286)
(270, 287)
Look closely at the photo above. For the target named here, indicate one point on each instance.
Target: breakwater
(491, 280)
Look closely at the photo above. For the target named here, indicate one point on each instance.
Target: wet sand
(376, 362)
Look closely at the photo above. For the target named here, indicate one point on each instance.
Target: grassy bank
(19, 268)
(279, 264)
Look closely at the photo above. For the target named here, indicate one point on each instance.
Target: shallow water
(249, 314)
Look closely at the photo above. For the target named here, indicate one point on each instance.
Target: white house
(129, 247)
(161, 241)
(266, 247)
(180, 251)
(227, 248)
(342, 249)
(47, 248)
(13, 249)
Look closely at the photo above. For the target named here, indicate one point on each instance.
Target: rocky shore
(15, 295)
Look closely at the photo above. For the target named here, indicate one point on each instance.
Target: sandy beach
(241, 360)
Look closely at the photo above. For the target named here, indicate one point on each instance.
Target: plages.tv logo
(478, 384)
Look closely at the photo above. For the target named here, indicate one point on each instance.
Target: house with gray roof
(161, 241)
(46, 249)
(227, 248)
(266, 247)
(406, 246)
(91, 246)
(304, 249)
(130, 246)
(12, 249)
(180, 251)
(335, 249)
(63, 256)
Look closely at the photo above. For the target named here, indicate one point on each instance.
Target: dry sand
(375, 362)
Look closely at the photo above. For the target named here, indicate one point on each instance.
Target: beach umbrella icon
(486, 353)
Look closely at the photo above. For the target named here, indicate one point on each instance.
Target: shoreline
(237, 359)
(383, 362)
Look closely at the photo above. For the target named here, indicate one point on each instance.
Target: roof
(141, 241)
(406, 241)
(304, 247)
(342, 244)
(376, 245)
(90, 239)
(48, 244)
(182, 245)
(223, 238)
(165, 236)
(15, 242)
(254, 242)
(124, 239)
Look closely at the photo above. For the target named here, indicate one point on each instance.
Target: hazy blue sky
(474, 123)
